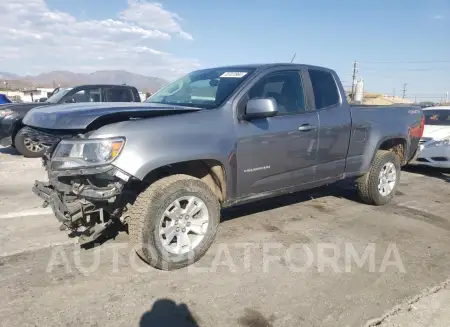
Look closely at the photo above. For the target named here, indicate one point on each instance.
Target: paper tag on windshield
(234, 74)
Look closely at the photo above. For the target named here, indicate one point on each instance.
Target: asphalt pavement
(316, 258)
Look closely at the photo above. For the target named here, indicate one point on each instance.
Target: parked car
(12, 131)
(4, 99)
(434, 148)
(213, 139)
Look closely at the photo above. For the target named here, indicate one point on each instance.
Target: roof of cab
(270, 65)
(437, 108)
(101, 85)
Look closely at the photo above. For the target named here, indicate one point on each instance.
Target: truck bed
(372, 124)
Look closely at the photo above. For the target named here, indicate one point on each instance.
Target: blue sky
(408, 37)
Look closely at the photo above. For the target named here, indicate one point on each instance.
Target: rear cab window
(325, 90)
(118, 94)
(439, 117)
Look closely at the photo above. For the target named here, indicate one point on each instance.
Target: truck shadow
(343, 189)
(9, 150)
(166, 313)
(110, 233)
(443, 174)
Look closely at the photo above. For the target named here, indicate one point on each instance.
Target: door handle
(306, 127)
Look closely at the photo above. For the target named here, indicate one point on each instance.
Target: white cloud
(154, 16)
(36, 38)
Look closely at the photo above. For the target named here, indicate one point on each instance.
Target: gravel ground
(316, 258)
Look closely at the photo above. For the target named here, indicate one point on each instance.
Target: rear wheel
(379, 185)
(174, 221)
(28, 147)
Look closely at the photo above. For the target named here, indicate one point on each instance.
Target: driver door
(281, 151)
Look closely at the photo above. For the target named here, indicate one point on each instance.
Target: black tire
(147, 210)
(19, 143)
(367, 185)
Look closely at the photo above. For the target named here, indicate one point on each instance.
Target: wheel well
(211, 172)
(397, 146)
(16, 129)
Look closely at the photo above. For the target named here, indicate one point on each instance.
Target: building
(29, 95)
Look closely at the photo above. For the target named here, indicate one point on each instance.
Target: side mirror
(261, 108)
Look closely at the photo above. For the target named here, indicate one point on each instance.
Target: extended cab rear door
(334, 122)
(281, 151)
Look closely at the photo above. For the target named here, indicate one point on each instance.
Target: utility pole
(404, 90)
(446, 97)
(393, 95)
(354, 80)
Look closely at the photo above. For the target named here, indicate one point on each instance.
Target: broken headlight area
(86, 204)
(84, 153)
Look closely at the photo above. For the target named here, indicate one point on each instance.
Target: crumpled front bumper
(45, 191)
(74, 194)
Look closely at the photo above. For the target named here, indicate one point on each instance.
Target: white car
(434, 146)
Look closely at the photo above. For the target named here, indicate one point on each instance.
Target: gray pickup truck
(212, 139)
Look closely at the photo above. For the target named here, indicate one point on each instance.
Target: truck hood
(80, 116)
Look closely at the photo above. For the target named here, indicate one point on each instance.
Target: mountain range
(67, 79)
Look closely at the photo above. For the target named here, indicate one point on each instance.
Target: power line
(434, 69)
(427, 94)
(406, 62)
(424, 97)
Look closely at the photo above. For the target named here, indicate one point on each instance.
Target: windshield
(206, 89)
(58, 95)
(437, 117)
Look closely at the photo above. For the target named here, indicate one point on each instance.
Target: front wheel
(28, 147)
(174, 221)
(379, 185)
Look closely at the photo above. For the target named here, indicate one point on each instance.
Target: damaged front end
(85, 191)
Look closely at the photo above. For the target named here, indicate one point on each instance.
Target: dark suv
(12, 131)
